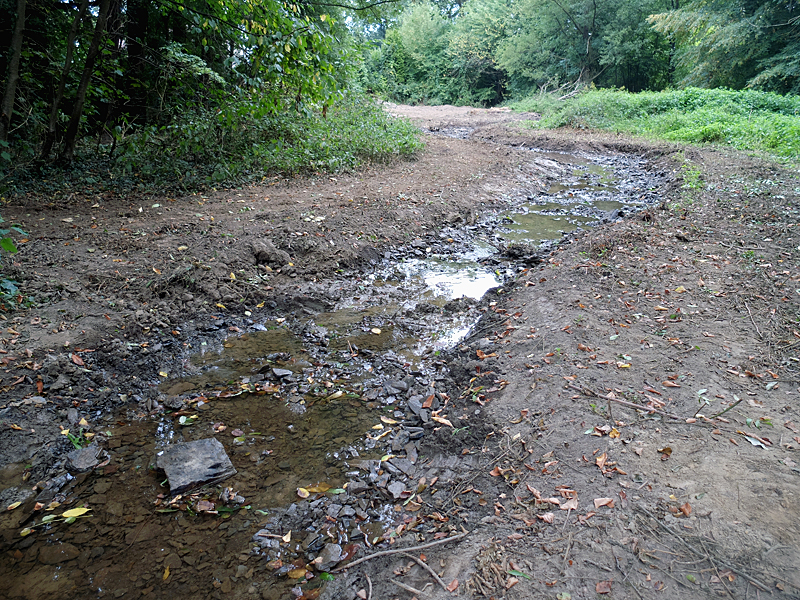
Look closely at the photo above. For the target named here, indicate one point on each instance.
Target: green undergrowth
(227, 146)
(747, 120)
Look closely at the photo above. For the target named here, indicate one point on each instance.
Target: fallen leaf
(237, 433)
(686, 509)
(481, 354)
(443, 421)
(205, 506)
(546, 517)
(536, 493)
(75, 512)
(13, 505)
(77, 360)
(671, 384)
(665, 452)
(453, 586)
(302, 492)
(166, 574)
(600, 461)
(388, 421)
(376, 331)
(320, 487)
(571, 504)
(288, 537)
(428, 402)
(603, 587)
(512, 581)
(297, 573)
(609, 502)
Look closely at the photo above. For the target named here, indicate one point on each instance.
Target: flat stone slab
(192, 464)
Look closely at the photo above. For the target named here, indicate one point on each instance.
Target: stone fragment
(85, 459)
(57, 553)
(192, 464)
(330, 555)
(281, 373)
(396, 488)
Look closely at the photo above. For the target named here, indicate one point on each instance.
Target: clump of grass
(747, 119)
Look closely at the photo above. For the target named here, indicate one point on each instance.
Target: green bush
(748, 119)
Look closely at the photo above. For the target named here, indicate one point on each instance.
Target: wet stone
(334, 510)
(192, 464)
(411, 452)
(281, 373)
(347, 511)
(404, 465)
(399, 385)
(85, 459)
(57, 553)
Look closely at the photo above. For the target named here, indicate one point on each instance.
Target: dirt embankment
(638, 387)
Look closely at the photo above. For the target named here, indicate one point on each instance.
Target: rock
(357, 487)
(57, 553)
(266, 542)
(415, 404)
(415, 433)
(396, 386)
(404, 465)
(411, 452)
(330, 555)
(334, 510)
(192, 464)
(265, 253)
(400, 440)
(60, 383)
(281, 373)
(85, 459)
(396, 488)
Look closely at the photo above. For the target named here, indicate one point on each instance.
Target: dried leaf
(609, 502)
(13, 505)
(443, 421)
(546, 517)
(600, 461)
(320, 487)
(166, 574)
(453, 586)
(388, 421)
(302, 492)
(686, 509)
(288, 537)
(603, 587)
(671, 384)
(297, 573)
(75, 512)
(77, 360)
(571, 504)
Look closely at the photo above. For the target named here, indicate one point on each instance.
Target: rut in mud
(337, 336)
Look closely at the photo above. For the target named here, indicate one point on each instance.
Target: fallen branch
(588, 392)
(408, 588)
(425, 566)
(400, 551)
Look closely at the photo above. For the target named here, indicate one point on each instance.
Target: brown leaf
(571, 504)
(495, 472)
(536, 493)
(671, 384)
(428, 401)
(512, 581)
(205, 506)
(600, 461)
(546, 517)
(686, 509)
(453, 586)
(77, 360)
(603, 587)
(609, 502)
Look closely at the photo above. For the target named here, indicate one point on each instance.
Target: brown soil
(605, 377)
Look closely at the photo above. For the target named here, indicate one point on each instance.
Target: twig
(400, 550)
(408, 588)
(758, 331)
(727, 409)
(696, 552)
(369, 587)
(648, 409)
(425, 566)
(625, 576)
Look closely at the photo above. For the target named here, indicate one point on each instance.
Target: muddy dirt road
(574, 353)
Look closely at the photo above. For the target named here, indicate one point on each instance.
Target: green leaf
(516, 573)
(326, 577)
(7, 244)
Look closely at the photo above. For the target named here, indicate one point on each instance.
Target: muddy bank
(315, 328)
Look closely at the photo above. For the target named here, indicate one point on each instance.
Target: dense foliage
(485, 51)
(745, 119)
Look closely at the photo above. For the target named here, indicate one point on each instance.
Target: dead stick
(422, 564)
(589, 392)
(399, 550)
(369, 587)
(408, 588)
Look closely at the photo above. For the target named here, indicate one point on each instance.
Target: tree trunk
(50, 135)
(7, 108)
(71, 136)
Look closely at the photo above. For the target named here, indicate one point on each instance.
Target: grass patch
(747, 120)
(228, 145)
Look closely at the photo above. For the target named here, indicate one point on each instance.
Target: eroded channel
(323, 413)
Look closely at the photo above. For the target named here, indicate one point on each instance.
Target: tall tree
(735, 43)
(7, 107)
